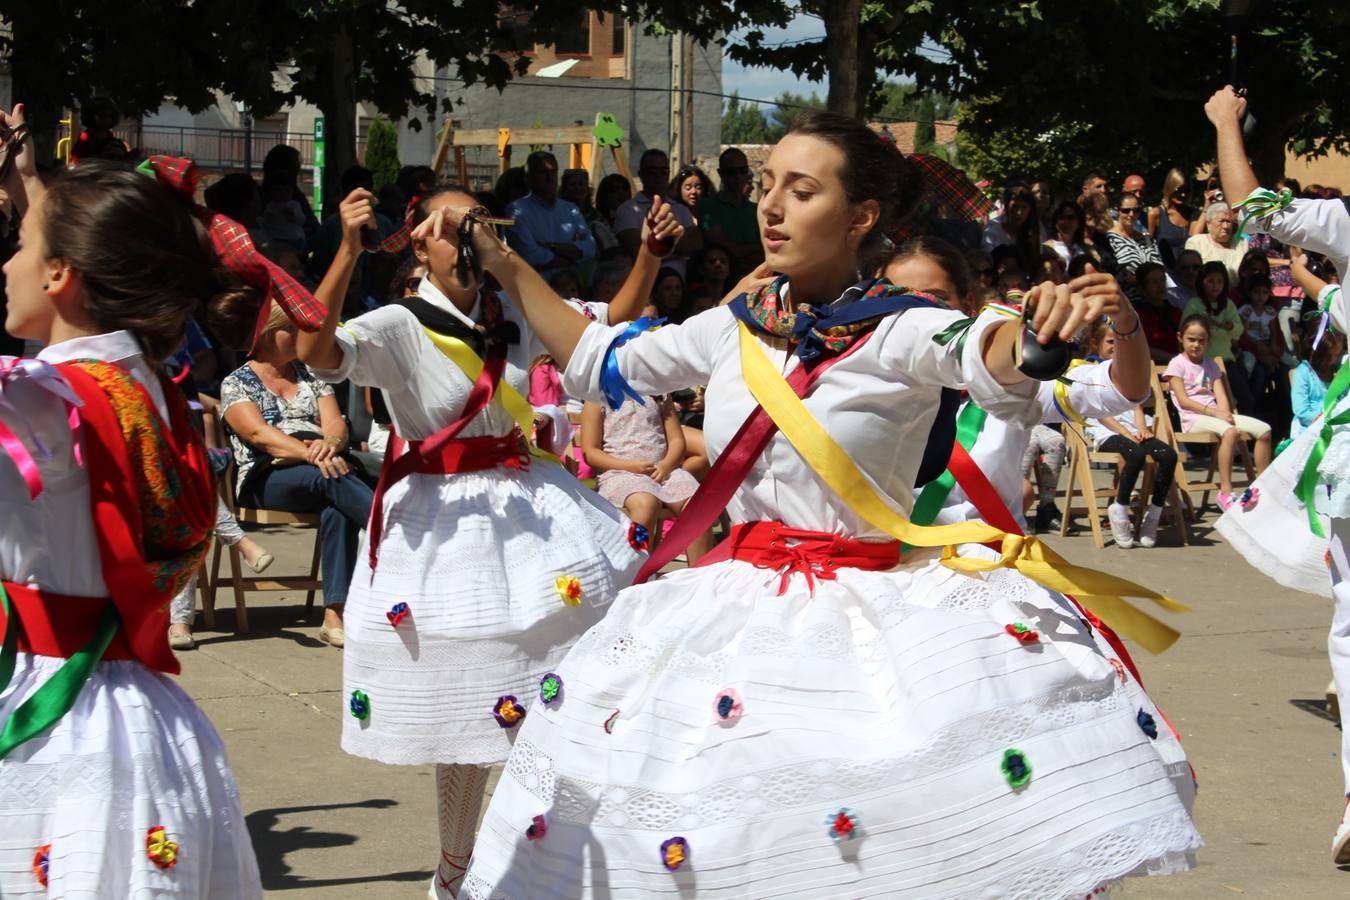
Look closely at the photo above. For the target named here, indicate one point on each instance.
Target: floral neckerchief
(856, 312)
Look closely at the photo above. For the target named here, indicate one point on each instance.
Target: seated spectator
(512, 185)
(1016, 228)
(1097, 222)
(1182, 277)
(1219, 242)
(1044, 192)
(281, 166)
(1050, 268)
(1045, 456)
(668, 297)
(1212, 301)
(654, 172)
(1311, 379)
(981, 266)
(1203, 405)
(1170, 222)
(283, 217)
(608, 277)
(1067, 237)
(1261, 338)
(1131, 246)
(567, 283)
(689, 186)
(1156, 315)
(574, 186)
(289, 440)
(612, 192)
(1135, 184)
(550, 233)
(710, 277)
(729, 217)
(1131, 435)
(637, 451)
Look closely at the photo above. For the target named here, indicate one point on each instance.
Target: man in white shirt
(654, 172)
(550, 233)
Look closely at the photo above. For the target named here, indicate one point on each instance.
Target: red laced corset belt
(815, 554)
(58, 625)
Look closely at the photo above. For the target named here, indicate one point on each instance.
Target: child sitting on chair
(1203, 404)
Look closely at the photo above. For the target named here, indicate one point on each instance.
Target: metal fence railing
(219, 148)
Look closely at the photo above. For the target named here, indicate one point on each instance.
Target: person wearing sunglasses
(729, 216)
(1131, 246)
(1170, 221)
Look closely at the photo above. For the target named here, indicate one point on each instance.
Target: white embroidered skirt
(477, 558)
(133, 754)
(893, 739)
(1274, 536)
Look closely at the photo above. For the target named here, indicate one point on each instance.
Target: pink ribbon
(49, 378)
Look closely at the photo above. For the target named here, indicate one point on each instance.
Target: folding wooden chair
(1081, 458)
(1181, 439)
(243, 585)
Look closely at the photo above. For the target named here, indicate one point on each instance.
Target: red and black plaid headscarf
(237, 252)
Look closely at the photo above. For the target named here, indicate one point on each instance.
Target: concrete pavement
(1244, 686)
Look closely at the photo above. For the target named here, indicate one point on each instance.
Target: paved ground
(1244, 685)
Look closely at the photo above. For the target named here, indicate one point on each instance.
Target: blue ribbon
(612, 383)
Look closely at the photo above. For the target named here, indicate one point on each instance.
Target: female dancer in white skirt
(113, 783)
(808, 715)
(1310, 481)
(486, 567)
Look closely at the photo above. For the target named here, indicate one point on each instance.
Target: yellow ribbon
(462, 355)
(1098, 592)
(1061, 389)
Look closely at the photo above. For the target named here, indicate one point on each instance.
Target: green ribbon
(969, 424)
(1306, 489)
(55, 698)
(958, 330)
(1261, 203)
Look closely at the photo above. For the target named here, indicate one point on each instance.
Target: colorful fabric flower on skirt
(1120, 669)
(1147, 725)
(1250, 497)
(550, 687)
(1016, 768)
(569, 589)
(508, 712)
(162, 851)
(359, 705)
(638, 537)
(1022, 633)
(397, 613)
(609, 723)
(727, 706)
(41, 861)
(674, 853)
(843, 825)
(537, 829)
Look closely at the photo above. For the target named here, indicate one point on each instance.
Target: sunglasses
(735, 170)
(1129, 209)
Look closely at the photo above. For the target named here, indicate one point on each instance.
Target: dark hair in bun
(873, 170)
(145, 260)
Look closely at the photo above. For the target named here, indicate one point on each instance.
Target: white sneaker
(1148, 529)
(1121, 528)
(1340, 845)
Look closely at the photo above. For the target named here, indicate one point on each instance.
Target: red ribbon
(58, 625)
(815, 554)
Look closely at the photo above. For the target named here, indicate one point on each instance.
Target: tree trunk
(848, 89)
(337, 101)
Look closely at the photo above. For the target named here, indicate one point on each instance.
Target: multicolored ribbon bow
(47, 377)
(1261, 203)
(237, 252)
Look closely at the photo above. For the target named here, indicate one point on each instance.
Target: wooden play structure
(585, 145)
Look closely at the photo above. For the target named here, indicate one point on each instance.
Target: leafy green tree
(382, 152)
(743, 123)
(789, 104)
(925, 128)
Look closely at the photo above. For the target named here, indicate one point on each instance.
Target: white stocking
(459, 799)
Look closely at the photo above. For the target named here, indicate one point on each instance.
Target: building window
(575, 41)
(618, 35)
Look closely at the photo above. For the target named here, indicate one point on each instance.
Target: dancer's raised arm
(320, 349)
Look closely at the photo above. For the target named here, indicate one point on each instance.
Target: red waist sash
(471, 455)
(58, 625)
(815, 554)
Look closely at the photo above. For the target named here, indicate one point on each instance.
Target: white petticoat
(894, 695)
(1274, 536)
(476, 556)
(133, 753)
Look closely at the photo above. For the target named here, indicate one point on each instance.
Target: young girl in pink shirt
(1193, 378)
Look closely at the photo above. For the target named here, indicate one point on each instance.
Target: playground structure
(586, 145)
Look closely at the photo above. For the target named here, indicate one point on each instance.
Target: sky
(766, 83)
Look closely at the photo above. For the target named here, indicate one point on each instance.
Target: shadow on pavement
(1314, 707)
(273, 845)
